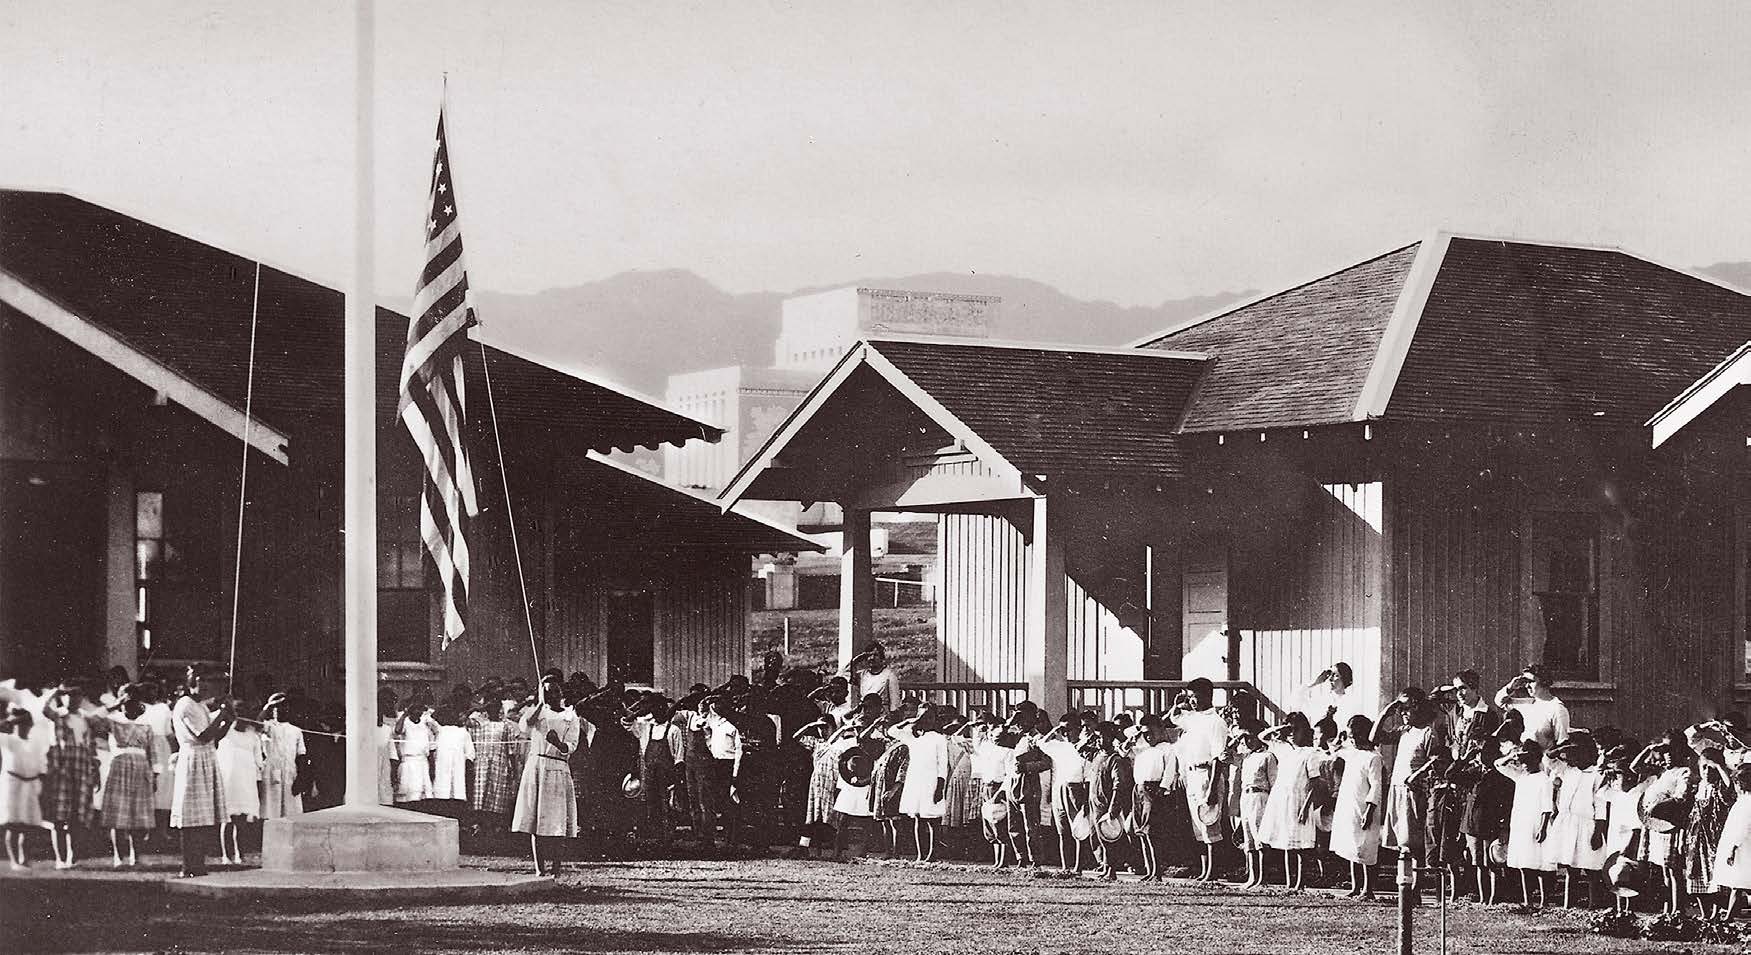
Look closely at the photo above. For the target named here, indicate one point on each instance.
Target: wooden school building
(1463, 453)
(128, 393)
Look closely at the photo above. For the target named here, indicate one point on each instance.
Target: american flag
(433, 403)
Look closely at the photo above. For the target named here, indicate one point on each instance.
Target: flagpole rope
(243, 479)
(510, 515)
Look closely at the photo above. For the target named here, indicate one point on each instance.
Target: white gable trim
(143, 368)
(1401, 327)
(857, 356)
(969, 438)
(1702, 394)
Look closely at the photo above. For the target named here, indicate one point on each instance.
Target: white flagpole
(360, 573)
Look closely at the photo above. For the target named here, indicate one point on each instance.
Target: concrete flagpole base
(375, 852)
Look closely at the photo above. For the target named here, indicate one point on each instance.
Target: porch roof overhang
(1704, 393)
(973, 421)
(661, 515)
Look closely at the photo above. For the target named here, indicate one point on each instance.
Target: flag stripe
(433, 397)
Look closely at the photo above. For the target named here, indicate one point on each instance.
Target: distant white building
(815, 331)
(750, 402)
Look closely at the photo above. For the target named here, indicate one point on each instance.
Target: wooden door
(1204, 597)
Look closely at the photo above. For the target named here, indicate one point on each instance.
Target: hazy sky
(1128, 151)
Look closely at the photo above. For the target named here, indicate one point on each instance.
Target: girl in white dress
(22, 765)
(1290, 824)
(1733, 855)
(1529, 820)
(547, 798)
(1577, 831)
(450, 759)
(1355, 827)
(924, 795)
(239, 755)
(416, 737)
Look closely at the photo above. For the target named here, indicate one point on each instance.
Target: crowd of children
(1490, 796)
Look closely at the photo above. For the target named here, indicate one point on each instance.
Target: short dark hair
(1202, 687)
(1469, 678)
(1345, 672)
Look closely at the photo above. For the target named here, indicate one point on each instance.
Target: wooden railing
(1106, 697)
(996, 697)
(1112, 697)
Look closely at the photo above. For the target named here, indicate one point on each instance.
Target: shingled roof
(1295, 358)
(1466, 329)
(1529, 334)
(186, 305)
(1059, 411)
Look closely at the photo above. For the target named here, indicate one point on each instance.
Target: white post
(856, 586)
(1047, 626)
(360, 572)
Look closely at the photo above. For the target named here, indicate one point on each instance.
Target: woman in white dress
(416, 737)
(1356, 818)
(547, 799)
(1529, 820)
(239, 755)
(924, 795)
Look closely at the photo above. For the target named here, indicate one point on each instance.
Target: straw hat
(632, 787)
(995, 811)
(856, 767)
(1080, 827)
(1628, 877)
(1110, 828)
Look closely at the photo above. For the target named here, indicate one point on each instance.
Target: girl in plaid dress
(195, 798)
(128, 789)
(70, 786)
(491, 794)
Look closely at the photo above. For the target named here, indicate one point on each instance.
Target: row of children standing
(134, 761)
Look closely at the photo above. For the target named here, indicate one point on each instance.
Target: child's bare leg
(115, 844)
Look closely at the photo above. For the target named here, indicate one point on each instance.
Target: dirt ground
(767, 906)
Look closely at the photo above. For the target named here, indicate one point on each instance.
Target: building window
(157, 565)
(403, 606)
(1563, 553)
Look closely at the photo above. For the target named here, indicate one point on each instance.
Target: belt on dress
(24, 778)
(125, 750)
(553, 756)
(1258, 789)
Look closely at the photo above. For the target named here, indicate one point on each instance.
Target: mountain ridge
(640, 326)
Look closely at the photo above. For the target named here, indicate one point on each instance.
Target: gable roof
(1028, 410)
(1460, 328)
(1704, 393)
(1295, 358)
(185, 306)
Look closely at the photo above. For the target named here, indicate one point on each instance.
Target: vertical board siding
(702, 624)
(1460, 588)
(983, 561)
(1306, 591)
(1101, 648)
